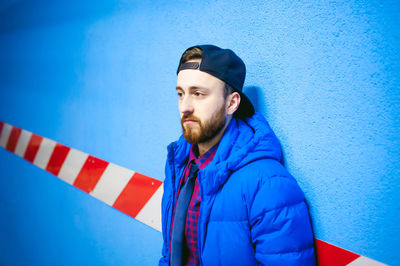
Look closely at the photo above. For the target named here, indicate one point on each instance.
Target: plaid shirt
(192, 218)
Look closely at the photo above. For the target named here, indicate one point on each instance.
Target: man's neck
(206, 146)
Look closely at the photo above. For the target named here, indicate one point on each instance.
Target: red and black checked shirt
(192, 218)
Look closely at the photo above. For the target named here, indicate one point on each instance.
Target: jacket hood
(243, 142)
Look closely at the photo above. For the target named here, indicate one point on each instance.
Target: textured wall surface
(99, 76)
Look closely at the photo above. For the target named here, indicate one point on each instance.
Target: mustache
(189, 117)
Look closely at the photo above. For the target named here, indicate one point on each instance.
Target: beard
(203, 132)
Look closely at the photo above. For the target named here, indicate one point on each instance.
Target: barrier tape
(132, 193)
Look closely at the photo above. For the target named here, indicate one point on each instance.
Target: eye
(180, 94)
(197, 93)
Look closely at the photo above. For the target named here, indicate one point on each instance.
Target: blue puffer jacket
(252, 210)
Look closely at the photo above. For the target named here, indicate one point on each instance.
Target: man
(227, 199)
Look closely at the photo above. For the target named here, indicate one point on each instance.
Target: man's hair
(191, 54)
(196, 53)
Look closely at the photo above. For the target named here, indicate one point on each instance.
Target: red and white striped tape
(137, 195)
(330, 255)
(134, 194)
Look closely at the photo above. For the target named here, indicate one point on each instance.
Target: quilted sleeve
(164, 260)
(165, 206)
(280, 225)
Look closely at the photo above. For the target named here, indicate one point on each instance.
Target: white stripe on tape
(150, 214)
(364, 261)
(72, 165)
(111, 183)
(5, 135)
(23, 143)
(43, 155)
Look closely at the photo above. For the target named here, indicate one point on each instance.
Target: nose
(186, 105)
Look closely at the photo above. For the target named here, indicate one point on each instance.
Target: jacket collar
(243, 142)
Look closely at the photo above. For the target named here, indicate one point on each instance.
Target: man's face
(202, 105)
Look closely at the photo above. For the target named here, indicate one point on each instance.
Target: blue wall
(99, 76)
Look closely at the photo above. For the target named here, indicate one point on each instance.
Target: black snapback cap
(228, 67)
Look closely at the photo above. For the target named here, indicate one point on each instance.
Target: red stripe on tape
(57, 158)
(90, 173)
(136, 193)
(33, 147)
(13, 139)
(330, 255)
(1, 127)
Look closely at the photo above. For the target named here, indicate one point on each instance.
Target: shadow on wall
(256, 96)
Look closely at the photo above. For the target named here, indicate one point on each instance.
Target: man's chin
(191, 139)
(191, 136)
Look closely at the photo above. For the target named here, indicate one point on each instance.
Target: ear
(233, 101)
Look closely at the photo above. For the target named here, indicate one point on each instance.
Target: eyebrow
(192, 88)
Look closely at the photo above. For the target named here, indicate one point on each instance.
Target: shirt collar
(205, 159)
